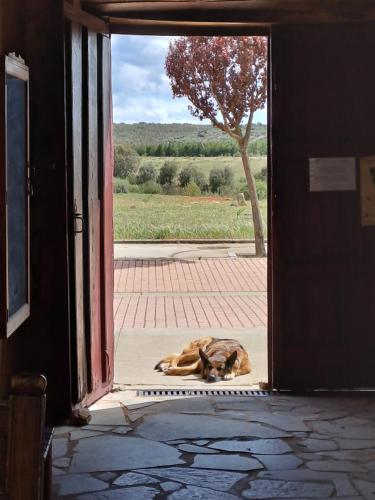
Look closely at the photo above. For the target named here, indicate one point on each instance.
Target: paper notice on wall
(367, 169)
(332, 174)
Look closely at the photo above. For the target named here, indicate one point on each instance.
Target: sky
(141, 89)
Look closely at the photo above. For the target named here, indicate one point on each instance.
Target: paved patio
(205, 293)
(219, 448)
(161, 304)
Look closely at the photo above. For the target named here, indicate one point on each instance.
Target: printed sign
(367, 168)
(332, 174)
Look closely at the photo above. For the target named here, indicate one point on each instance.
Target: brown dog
(215, 360)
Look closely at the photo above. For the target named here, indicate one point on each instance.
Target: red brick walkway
(206, 293)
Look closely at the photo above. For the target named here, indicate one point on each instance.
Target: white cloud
(141, 89)
(152, 109)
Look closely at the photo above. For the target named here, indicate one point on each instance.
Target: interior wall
(35, 30)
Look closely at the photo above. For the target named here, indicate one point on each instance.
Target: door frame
(244, 31)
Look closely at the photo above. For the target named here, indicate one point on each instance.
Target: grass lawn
(205, 164)
(154, 216)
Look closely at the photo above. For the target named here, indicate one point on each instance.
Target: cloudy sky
(141, 91)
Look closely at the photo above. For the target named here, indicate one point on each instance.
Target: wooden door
(91, 205)
(74, 139)
(106, 214)
(323, 272)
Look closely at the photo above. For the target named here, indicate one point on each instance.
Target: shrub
(150, 187)
(126, 161)
(192, 174)
(133, 188)
(168, 172)
(171, 190)
(228, 176)
(191, 189)
(216, 179)
(146, 173)
(262, 175)
(184, 177)
(226, 190)
(120, 186)
(132, 178)
(201, 181)
(261, 189)
(219, 178)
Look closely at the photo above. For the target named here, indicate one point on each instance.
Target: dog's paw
(164, 367)
(160, 366)
(229, 376)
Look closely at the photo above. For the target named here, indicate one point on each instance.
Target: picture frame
(14, 195)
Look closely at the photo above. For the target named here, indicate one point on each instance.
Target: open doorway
(185, 258)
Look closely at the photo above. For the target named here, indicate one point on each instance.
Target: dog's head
(216, 368)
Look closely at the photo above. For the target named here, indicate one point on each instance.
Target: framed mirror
(14, 195)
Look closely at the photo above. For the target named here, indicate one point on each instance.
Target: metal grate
(201, 392)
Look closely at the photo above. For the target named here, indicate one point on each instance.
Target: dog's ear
(231, 360)
(203, 357)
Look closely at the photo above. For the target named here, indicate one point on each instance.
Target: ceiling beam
(157, 27)
(257, 11)
(94, 23)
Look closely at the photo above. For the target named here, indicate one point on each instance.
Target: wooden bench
(25, 442)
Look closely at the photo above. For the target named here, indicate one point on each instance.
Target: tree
(168, 172)
(146, 173)
(126, 161)
(225, 80)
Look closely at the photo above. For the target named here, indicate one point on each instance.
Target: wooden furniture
(25, 443)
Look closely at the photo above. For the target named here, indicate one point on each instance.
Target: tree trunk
(260, 250)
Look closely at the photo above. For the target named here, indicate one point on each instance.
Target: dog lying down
(214, 359)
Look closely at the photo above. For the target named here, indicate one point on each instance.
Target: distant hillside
(142, 133)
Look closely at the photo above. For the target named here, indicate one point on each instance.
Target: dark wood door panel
(106, 195)
(74, 139)
(92, 212)
(323, 259)
(89, 141)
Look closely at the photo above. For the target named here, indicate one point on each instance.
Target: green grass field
(205, 164)
(144, 216)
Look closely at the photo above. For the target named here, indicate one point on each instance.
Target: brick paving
(199, 275)
(200, 293)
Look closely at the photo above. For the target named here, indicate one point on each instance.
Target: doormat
(202, 392)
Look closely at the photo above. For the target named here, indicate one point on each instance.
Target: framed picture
(14, 195)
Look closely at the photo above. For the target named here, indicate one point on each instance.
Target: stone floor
(219, 448)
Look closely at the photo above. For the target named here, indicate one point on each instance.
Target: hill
(142, 133)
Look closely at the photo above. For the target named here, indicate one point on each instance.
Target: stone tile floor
(219, 448)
